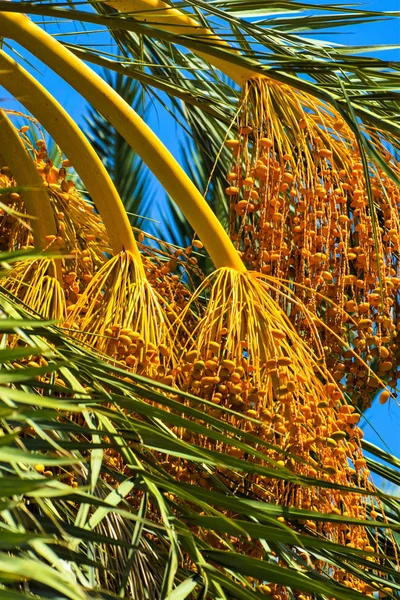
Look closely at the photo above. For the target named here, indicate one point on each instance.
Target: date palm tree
(162, 440)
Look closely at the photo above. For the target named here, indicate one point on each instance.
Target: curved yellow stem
(77, 148)
(161, 15)
(138, 135)
(35, 196)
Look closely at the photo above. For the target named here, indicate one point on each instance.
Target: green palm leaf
(129, 174)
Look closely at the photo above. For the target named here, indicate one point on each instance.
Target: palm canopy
(201, 448)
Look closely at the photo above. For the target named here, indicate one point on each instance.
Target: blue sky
(383, 428)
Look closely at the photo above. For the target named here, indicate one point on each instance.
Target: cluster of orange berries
(81, 238)
(282, 413)
(81, 235)
(301, 212)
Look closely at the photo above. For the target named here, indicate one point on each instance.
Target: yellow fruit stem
(77, 148)
(161, 15)
(138, 135)
(34, 194)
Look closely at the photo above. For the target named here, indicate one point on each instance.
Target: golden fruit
(384, 397)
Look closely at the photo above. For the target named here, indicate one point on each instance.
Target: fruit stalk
(34, 194)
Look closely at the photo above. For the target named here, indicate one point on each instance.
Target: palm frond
(126, 169)
(284, 57)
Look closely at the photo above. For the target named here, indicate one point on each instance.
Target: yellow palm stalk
(92, 310)
(307, 159)
(80, 232)
(24, 172)
(161, 15)
(77, 148)
(79, 228)
(42, 281)
(77, 224)
(15, 232)
(258, 179)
